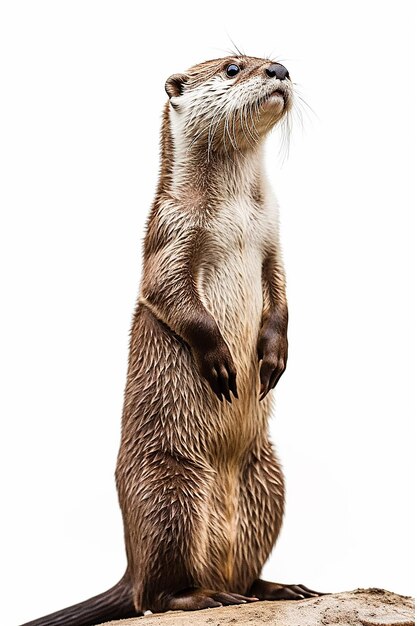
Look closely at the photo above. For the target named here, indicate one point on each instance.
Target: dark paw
(199, 598)
(217, 367)
(265, 590)
(272, 352)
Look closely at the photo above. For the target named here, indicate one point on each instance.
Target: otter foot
(265, 590)
(199, 598)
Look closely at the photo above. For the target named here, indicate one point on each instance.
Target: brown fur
(200, 489)
(202, 502)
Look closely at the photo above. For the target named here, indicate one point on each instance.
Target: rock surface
(362, 607)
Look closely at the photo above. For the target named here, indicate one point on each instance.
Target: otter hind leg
(168, 548)
(200, 598)
(260, 513)
(261, 506)
(265, 590)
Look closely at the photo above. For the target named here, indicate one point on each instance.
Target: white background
(82, 93)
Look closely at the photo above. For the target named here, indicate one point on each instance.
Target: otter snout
(276, 70)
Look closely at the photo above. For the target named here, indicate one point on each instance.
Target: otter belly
(231, 289)
(230, 286)
(230, 276)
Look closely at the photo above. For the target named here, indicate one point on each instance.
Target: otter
(200, 489)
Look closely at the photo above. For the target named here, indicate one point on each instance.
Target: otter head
(229, 103)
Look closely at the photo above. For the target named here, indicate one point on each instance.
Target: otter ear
(174, 85)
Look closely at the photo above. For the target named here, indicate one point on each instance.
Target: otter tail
(116, 603)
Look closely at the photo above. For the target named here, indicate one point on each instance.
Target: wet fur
(201, 492)
(200, 489)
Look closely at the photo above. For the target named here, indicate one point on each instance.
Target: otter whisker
(236, 49)
(246, 116)
(299, 99)
(249, 139)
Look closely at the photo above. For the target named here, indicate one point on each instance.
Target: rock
(362, 607)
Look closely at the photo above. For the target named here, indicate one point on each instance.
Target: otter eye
(232, 70)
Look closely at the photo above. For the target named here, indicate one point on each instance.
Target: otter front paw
(272, 352)
(217, 367)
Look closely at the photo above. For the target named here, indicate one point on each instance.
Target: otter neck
(196, 172)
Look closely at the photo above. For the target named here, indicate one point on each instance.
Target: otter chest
(238, 229)
(230, 274)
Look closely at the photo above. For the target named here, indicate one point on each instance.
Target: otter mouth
(277, 93)
(277, 98)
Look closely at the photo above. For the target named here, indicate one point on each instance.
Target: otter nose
(276, 70)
